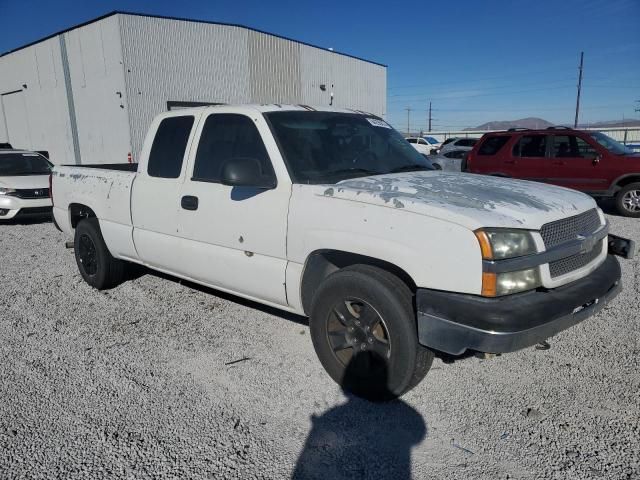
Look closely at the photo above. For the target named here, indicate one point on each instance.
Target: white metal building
(88, 94)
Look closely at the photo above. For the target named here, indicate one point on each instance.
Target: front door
(234, 238)
(577, 164)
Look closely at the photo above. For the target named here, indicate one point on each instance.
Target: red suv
(587, 161)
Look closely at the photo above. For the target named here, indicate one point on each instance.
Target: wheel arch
(621, 182)
(322, 263)
(79, 211)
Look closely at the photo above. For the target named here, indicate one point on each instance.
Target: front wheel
(95, 263)
(628, 200)
(364, 332)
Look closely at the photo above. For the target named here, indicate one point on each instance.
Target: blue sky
(476, 61)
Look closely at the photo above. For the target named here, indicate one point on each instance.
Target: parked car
(447, 164)
(457, 144)
(24, 184)
(423, 145)
(588, 161)
(331, 214)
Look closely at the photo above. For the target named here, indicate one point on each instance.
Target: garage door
(15, 114)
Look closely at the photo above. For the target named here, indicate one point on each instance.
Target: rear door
(155, 197)
(528, 158)
(576, 164)
(234, 238)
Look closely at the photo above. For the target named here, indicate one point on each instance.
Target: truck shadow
(360, 439)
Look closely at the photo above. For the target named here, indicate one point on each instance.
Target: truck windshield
(327, 147)
(16, 164)
(610, 144)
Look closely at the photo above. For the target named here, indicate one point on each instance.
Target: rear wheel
(96, 265)
(628, 200)
(364, 331)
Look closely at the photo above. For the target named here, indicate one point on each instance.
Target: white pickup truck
(332, 214)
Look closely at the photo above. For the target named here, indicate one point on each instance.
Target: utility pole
(408, 109)
(575, 122)
(429, 116)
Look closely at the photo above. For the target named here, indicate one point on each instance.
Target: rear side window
(411, 140)
(169, 145)
(467, 142)
(532, 146)
(226, 136)
(492, 145)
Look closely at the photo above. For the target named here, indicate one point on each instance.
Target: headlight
(6, 191)
(498, 284)
(497, 244)
(500, 244)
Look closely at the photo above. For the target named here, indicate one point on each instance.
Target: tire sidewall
(90, 227)
(619, 202)
(395, 313)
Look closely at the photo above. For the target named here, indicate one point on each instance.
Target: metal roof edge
(182, 19)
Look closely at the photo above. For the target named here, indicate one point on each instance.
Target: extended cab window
(532, 146)
(492, 145)
(226, 136)
(169, 145)
(571, 146)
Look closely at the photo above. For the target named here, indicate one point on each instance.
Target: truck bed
(105, 189)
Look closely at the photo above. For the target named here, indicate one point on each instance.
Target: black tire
(628, 200)
(95, 263)
(370, 373)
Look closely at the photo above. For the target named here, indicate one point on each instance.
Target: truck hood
(469, 200)
(25, 181)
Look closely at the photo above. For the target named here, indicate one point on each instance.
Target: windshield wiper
(342, 171)
(411, 168)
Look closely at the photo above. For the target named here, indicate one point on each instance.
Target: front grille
(31, 193)
(568, 229)
(574, 262)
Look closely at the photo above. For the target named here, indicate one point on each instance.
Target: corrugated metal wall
(274, 69)
(177, 60)
(83, 65)
(181, 61)
(90, 93)
(33, 104)
(97, 84)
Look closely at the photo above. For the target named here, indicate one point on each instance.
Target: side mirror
(246, 172)
(596, 159)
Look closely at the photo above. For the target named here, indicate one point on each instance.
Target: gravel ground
(137, 382)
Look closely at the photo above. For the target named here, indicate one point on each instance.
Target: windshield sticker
(378, 123)
(30, 155)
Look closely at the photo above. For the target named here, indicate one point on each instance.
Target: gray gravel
(136, 382)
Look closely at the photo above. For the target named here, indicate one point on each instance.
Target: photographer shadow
(361, 439)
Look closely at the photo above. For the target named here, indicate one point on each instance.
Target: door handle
(189, 202)
(510, 162)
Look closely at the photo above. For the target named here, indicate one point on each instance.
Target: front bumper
(11, 207)
(454, 323)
